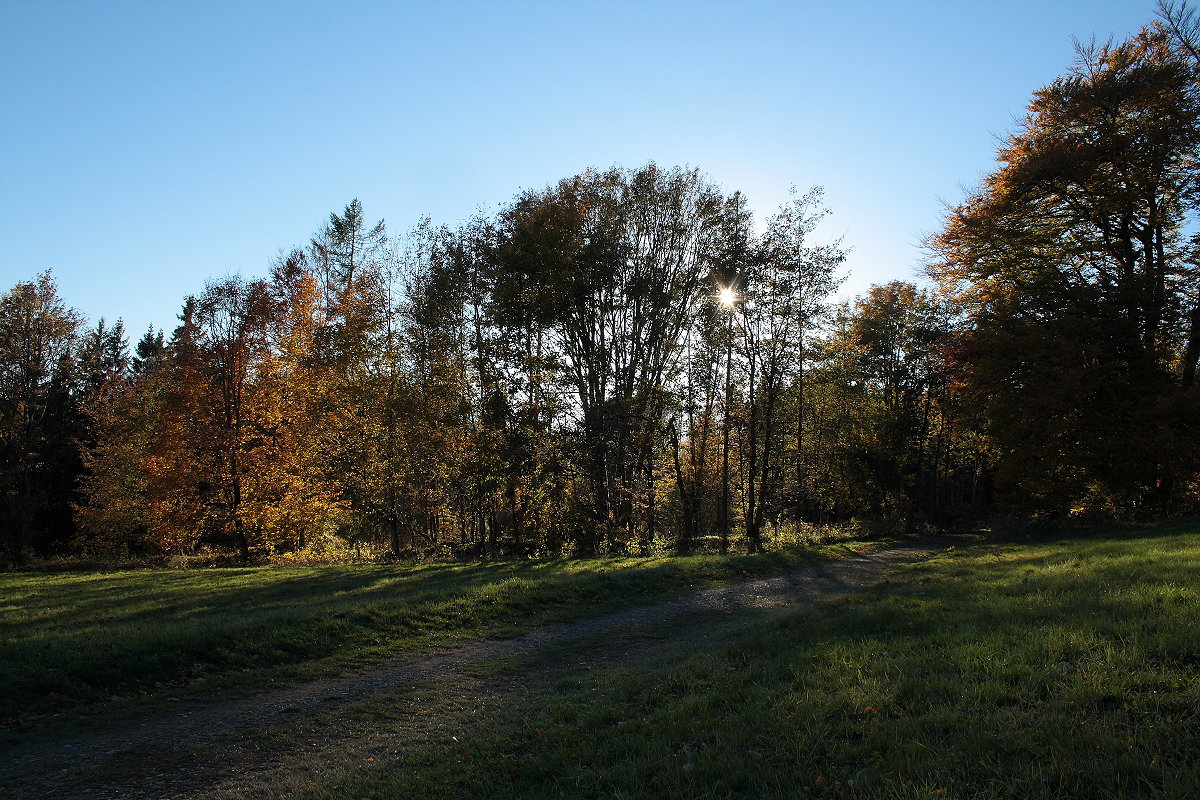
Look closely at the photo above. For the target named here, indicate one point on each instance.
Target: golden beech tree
(176, 485)
(219, 436)
(295, 501)
(210, 449)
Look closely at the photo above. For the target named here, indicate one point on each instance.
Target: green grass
(68, 638)
(1066, 669)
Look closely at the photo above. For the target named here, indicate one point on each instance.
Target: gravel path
(208, 747)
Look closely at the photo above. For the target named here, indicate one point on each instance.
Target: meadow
(1021, 669)
(73, 638)
(1018, 667)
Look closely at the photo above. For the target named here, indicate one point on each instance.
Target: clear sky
(145, 147)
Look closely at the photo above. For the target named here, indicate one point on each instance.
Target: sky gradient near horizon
(150, 146)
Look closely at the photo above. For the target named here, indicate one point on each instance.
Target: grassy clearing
(1067, 669)
(67, 638)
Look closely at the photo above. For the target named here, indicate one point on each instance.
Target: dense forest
(628, 362)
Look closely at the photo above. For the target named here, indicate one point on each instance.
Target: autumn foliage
(624, 362)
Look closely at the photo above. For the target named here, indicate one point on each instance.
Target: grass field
(69, 638)
(1033, 668)
(1051, 669)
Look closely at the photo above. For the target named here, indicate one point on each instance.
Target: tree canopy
(1078, 277)
(624, 361)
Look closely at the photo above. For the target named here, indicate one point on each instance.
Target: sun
(727, 297)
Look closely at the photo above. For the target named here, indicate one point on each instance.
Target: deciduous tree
(1081, 286)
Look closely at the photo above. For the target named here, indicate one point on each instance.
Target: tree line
(625, 362)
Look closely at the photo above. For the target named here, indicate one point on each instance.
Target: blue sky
(149, 146)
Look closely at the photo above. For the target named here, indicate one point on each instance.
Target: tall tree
(210, 443)
(38, 417)
(787, 291)
(1080, 286)
(1183, 25)
(294, 502)
(896, 335)
(616, 261)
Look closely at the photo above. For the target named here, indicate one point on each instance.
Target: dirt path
(234, 744)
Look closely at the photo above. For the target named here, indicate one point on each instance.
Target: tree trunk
(687, 532)
(725, 441)
(1191, 353)
(753, 535)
